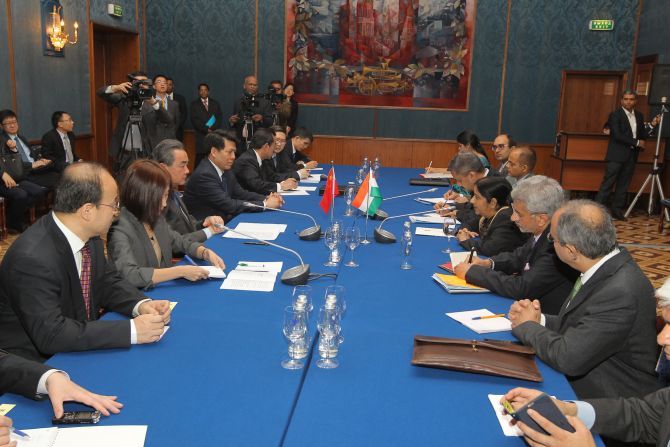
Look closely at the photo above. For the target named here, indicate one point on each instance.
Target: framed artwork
(381, 53)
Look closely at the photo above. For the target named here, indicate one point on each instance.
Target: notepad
(251, 281)
(214, 272)
(264, 232)
(504, 419)
(458, 257)
(254, 266)
(485, 326)
(454, 284)
(295, 192)
(255, 226)
(424, 231)
(6, 408)
(313, 178)
(102, 436)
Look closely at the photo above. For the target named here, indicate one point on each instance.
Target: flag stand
(332, 206)
(365, 241)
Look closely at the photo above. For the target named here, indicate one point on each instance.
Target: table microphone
(382, 215)
(295, 276)
(385, 236)
(308, 234)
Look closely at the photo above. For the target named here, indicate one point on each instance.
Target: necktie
(25, 155)
(224, 184)
(206, 104)
(181, 208)
(274, 160)
(575, 289)
(69, 158)
(85, 278)
(164, 101)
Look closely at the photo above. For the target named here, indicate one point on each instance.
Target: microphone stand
(308, 234)
(365, 241)
(411, 194)
(385, 236)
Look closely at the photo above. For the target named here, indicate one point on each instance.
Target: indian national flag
(369, 197)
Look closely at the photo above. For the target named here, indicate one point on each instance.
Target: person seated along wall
(172, 155)
(203, 110)
(248, 167)
(141, 243)
(467, 169)
(501, 147)
(532, 270)
(468, 142)
(294, 152)
(520, 164)
(497, 233)
(213, 190)
(602, 338)
(278, 167)
(58, 143)
(55, 280)
(36, 167)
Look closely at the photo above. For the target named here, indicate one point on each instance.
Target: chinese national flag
(330, 192)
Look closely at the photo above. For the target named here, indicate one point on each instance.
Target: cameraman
(160, 114)
(250, 112)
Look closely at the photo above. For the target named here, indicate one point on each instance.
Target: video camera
(273, 97)
(249, 103)
(140, 90)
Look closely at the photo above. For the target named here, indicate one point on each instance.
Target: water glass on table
(352, 238)
(329, 331)
(295, 331)
(450, 231)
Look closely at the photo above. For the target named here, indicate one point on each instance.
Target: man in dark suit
(212, 188)
(160, 114)
(35, 380)
(172, 155)
(532, 270)
(278, 167)
(55, 279)
(501, 147)
(603, 337)
(294, 154)
(37, 167)
(202, 110)
(520, 164)
(627, 135)
(58, 143)
(250, 112)
(248, 168)
(181, 101)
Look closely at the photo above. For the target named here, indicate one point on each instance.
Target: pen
(472, 252)
(254, 243)
(19, 433)
(486, 317)
(429, 165)
(189, 260)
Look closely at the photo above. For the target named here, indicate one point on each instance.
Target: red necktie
(85, 278)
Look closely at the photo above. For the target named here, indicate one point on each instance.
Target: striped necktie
(85, 278)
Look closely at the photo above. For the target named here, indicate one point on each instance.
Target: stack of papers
(299, 191)
(433, 200)
(265, 232)
(253, 276)
(433, 218)
(437, 175)
(454, 284)
(313, 178)
(485, 326)
(214, 272)
(424, 231)
(458, 257)
(103, 436)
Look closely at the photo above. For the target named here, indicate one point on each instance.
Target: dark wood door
(642, 72)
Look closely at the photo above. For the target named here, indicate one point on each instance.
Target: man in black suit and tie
(202, 110)
(212, 188)
(172, 155)
(248, 168)
(278, 166)
(294, 153)
(160, 114)
(627, 135)
(603, 337)
(532, 270)
(55, 279)
(181, 101)
(250, 113)
(58, 143)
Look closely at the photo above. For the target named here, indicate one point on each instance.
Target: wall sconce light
(56, 30)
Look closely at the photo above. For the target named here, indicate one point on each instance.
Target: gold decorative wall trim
(10, 45)
(504, 67)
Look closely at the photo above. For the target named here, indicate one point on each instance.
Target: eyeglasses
(116, 206)
(10, 123)
(495, 147)
(278, 141)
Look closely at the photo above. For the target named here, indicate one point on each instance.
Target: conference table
(215, 377)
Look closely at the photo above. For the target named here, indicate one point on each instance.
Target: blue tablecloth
(215, 378)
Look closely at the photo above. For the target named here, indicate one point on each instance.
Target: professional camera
(140, 90)
(249, 103)
(273, 97)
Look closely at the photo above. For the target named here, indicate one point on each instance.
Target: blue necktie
(25, 155)
(224, 183)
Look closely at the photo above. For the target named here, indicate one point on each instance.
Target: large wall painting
(381, 53)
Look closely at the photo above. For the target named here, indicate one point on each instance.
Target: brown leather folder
(493, 357)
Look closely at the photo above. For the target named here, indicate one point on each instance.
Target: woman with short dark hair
(141, 243)
(497, 233)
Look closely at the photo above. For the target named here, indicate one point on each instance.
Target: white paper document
(307, 188)
(101, 436)
(485, 326)
(461, 256)
(425, 231)
(433, 218)
(437, 175)
(315, 169)
(313, 178)
(265, 232)
(214, 272)
(503, 418)
(253, 226)
(252, 281)
(433, 200)
(253, 266)
(295, 192)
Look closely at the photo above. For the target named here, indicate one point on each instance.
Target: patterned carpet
(639, 235)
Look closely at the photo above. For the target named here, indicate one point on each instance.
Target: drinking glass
(329, 330)
(450, 230)
(352, 238)
(349, 194)
(300, 292)
(295, 329)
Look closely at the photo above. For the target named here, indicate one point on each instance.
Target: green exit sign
(115, 10)
(601, 25)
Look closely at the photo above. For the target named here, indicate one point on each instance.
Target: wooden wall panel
(189, 145)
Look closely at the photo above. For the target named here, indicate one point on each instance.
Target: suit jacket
(622, 145)
(275, 170)
(183, 111)
(54, 150)
(502, 235)
(160, 124)
(116, 100)
(20, 376)
(547, 279)
(264, 108)
(200, 116)
(605, 340)
(293, 161)
(181, 221)
(130, 248)
(36, 154)
(42, 308)
(251, 176)
(634, 419)
(206, 194)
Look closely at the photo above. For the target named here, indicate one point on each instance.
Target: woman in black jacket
(497, 232)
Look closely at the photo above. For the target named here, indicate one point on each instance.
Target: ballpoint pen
(486, 317)
(472, 252)
(189, 260)
(429, 165)
(19, 433)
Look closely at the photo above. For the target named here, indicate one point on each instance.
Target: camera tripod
(133, 143)
(654, 176)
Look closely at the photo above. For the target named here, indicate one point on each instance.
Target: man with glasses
(502, 145)
(278, 167)
(55, 279)
(532, 270)
(603, 338)
(58, 143)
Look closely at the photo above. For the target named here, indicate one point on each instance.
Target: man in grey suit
(160, 114)
(520, 164)
(603, 337)
(632, 419)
